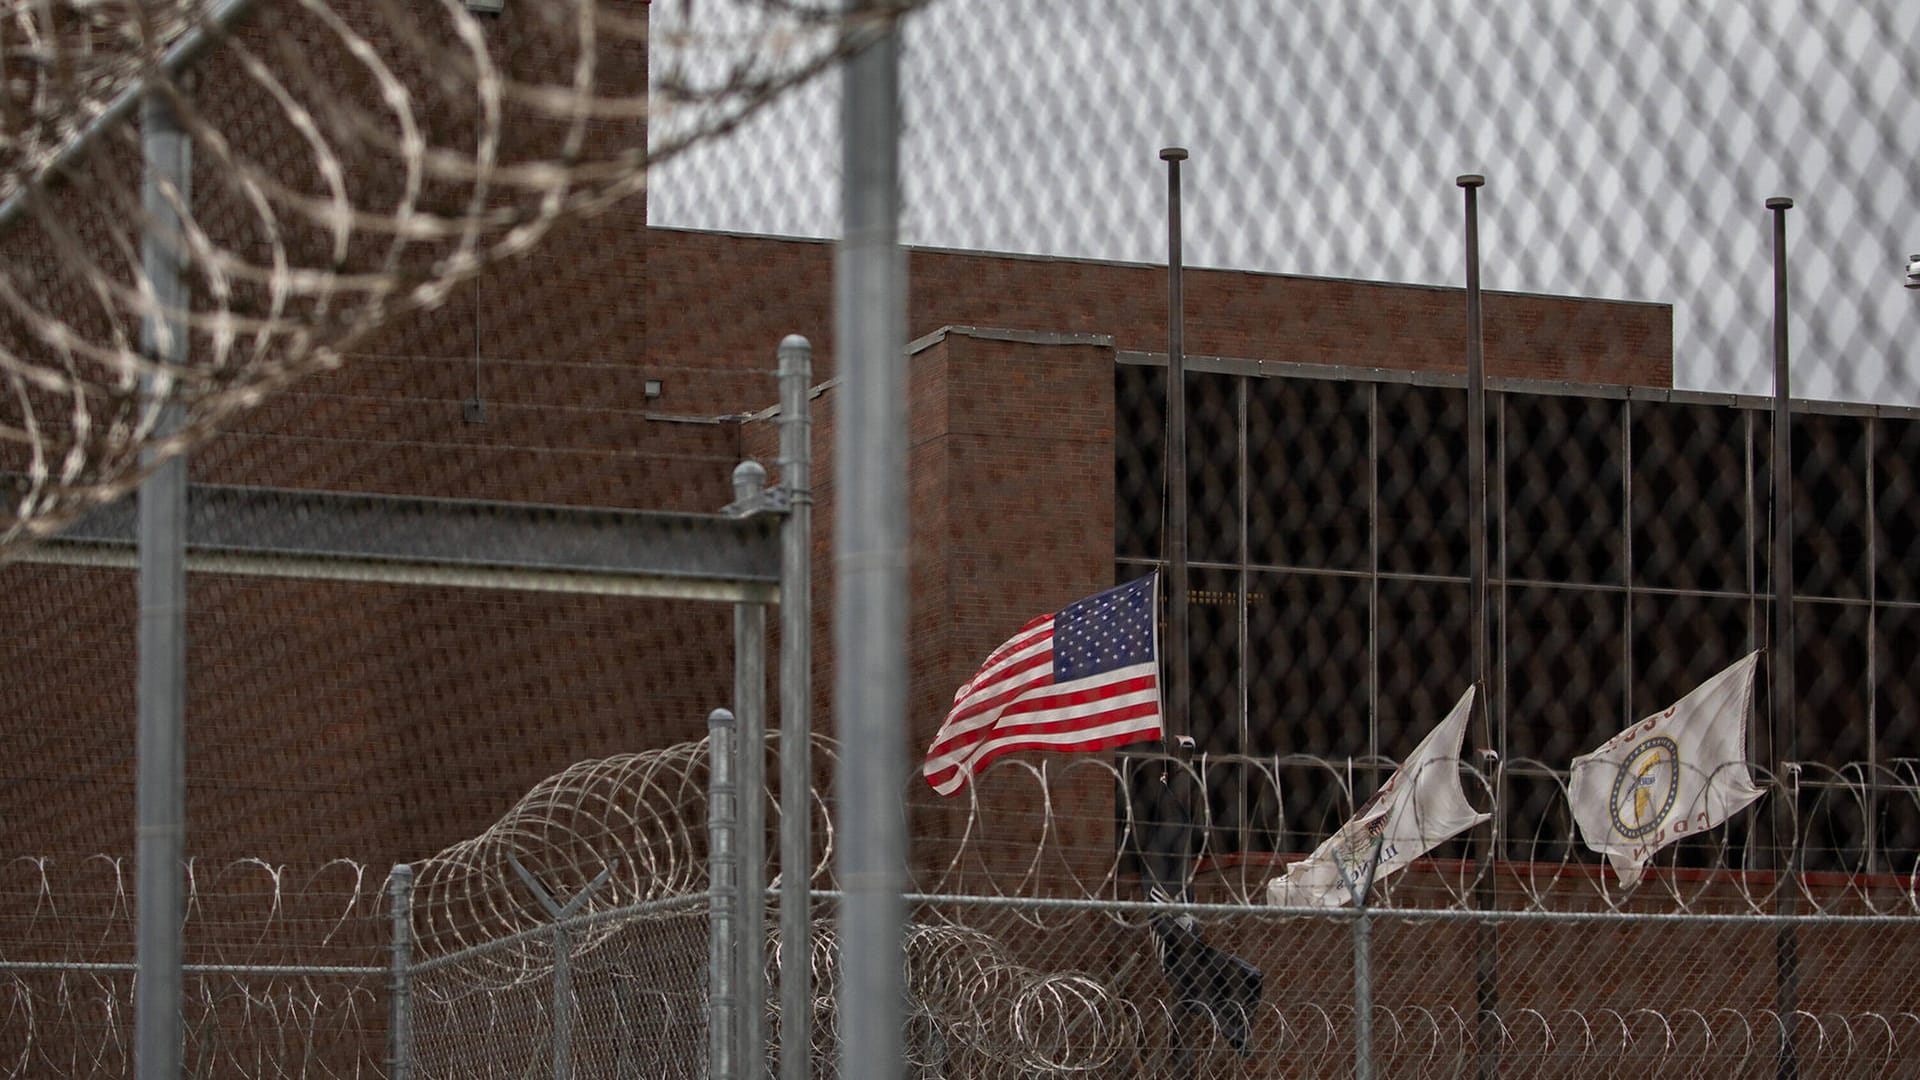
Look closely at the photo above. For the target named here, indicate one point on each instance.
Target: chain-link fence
(441, 324)
(510, 954)
(1627, 151)
(285, 968)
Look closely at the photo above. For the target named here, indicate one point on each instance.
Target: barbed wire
(1023, 972)
(244, 911)
(358, 160)
(644, 815)
(1012, 834)
(81, 1026)
(640, 818)
(283, 973)
(242, 1024)
(972, 1005)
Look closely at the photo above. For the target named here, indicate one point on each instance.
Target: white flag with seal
(1677, 773)
(1419, 807)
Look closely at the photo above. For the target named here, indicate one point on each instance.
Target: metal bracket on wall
(768, 501)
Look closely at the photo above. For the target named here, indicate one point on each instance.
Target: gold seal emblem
(1646, 786)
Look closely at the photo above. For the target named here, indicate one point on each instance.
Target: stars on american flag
(1104, 632)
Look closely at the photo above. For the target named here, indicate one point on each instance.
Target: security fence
(284, 971)
(1025, 955)
(475, 295)
(1680, 995)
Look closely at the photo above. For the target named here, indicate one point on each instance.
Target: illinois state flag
(1086, 677)
(1674, 774)
(1421, 805)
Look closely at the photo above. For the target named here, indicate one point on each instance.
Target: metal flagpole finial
(1173, 153)
(1470, 180)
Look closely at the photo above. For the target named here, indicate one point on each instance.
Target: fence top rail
(1154, 907)
(130, 968)
(692, 902)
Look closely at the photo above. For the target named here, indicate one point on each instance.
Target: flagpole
(1476, 459)
(1780, 701)
(1179, 661)
(1486, 979)
(1178, 675)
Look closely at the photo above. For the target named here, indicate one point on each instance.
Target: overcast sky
(1628, 147)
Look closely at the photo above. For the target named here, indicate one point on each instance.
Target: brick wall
(327, 719)
(1010, 489)
(553, 342)
(745, 292)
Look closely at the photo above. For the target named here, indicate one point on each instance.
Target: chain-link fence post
(1363, 994)
(796, 705)
(722, 896)
(562, 915)
(162, 583)
(1361, 892)
(750, 712)
(870, 553)
(400, 976)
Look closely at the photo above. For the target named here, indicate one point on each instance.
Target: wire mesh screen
(1627, 152)
(1106, 1008)
(574, 934)
(458, 316)
(391, 184)
(635, 1004)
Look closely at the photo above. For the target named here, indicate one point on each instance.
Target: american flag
(1084, 678)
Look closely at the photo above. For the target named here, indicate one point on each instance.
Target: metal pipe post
(722, 897)
(1785, 748)
(1179, 675)
(562, 1002)
(1362, 893)
(1477, 462)
(1487, 990)
(562, 916)
(870, 553)
(750, 711)
(796, 707)
(161, 739)
(1363, 995)
(400, 979)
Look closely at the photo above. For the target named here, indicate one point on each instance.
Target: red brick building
(383, 722)
(619, 365)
